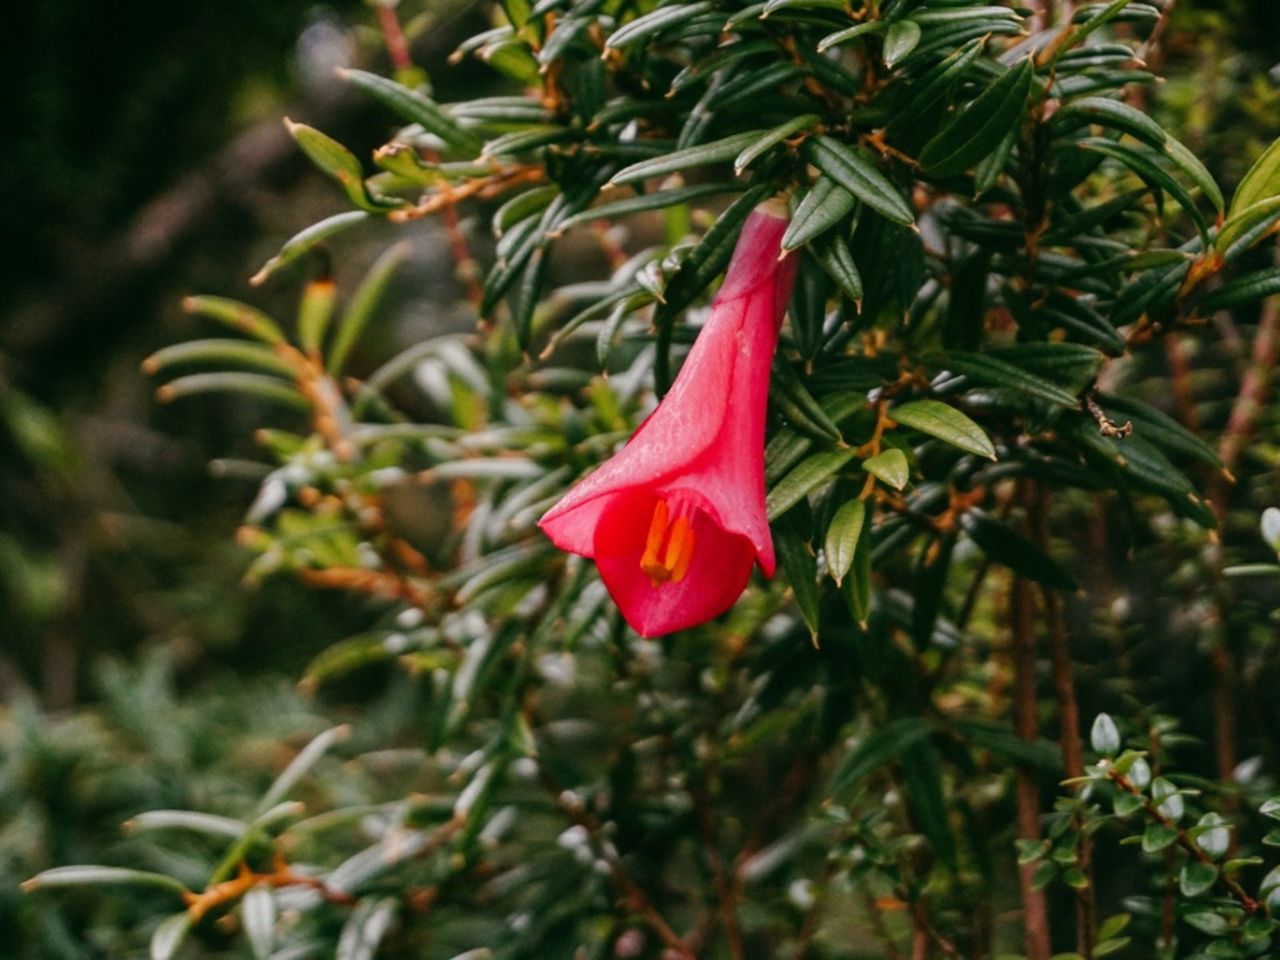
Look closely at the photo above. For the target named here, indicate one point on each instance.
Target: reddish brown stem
(1027, 793)
(1069, 722)
(393, 36)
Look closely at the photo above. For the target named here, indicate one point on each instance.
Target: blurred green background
(145, 160)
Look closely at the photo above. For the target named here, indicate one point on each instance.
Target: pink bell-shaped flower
(676, 518)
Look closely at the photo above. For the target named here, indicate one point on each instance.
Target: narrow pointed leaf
(978, 130)
(852, 170)
(806, 477)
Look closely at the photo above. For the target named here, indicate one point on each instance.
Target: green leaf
(850, 33)
(1245, 227)
(1039, 753)
(857, 583)
(1247, 289)
(1015, 551)
(1157, 836)
(773, 138)
(366, 928)
(901, 39)
(825, 205)
(416, 108)
(91, 875)
(1114, 114)
(851, 169)
(1186, 161)
(338, 162)
(306, 240)
(1212, 835)
(877, 749)
(655, 22)
(1208, 922)
(236, 315)
(1152, 174)
(1261, 183)
(889, 466)
(258, 916)
(974, 133)
(363, 304)
(168, 936)
(801, 569)
(806, 477)
(833, 253)
(1159, 428)
(206, 823)
(842, 538)
(307, 757)
(657, 200)
(717, 151)
(712, 254)
(995, 372)
(257, 385)
(945, 422)
(797, 404)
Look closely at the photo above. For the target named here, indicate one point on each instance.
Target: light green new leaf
(842, 538)
(339, 163)
(889, 466)
(946, 423)
(1262, 182)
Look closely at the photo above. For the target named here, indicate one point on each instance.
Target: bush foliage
(1015, 480)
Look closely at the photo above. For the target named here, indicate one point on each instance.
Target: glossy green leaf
(833, 253)
(990, 370)
(1197, 878)
(822, 207)
(304, 241)
(853, 170)
(773, 138)
(92, 875)
(1247, 289)
(806, 477)
(900, 40)
(641, 203)
(655, 22)
(850, 33)
(1245, 227)
(842, 538)
(1152, 173)
(945, 422)
(717, 151)
(890, 467)
(974, 133)
(1262, 182)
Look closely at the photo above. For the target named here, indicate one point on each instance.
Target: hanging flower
(676, 519)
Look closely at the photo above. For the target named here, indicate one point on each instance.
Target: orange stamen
(680, 549)
(672, 564)
(650, 563)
